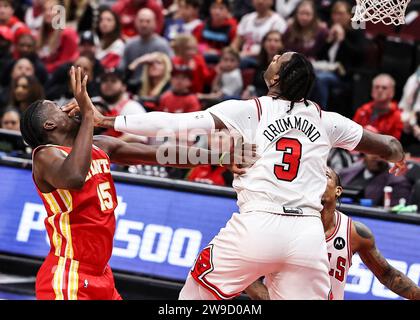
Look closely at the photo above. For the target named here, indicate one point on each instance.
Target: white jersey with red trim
(293, 145)
(339, 254)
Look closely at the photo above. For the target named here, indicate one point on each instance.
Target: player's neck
(328, 219)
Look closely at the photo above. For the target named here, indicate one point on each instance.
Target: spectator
(111, 47)
(33, 15)
(211, 175)
(147, 42)
(22, 67)
(88, 47)
(128, 10)
(343, 52)
(410, 107)
(381, 113)
(11, 119)
(228, 81)
(59, 86)
(179, 98)
(271, 46)
(217, 32)
(24, 91)
(56, 46)
(155, 78)
(114, 92)
(285, 8)
(186, 53)
(186, 22)
(253, 27)
(371, 176)
(74, 11)
(26, 48)
(7, 19)
(6, 39)
(306, 34)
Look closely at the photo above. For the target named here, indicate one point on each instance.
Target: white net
(385, 11)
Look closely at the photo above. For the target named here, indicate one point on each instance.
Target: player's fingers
(74, 111)
(73, 78)
(84, 82)
(78, 79)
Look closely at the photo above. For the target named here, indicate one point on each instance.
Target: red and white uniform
(278, 233)
(339, 254)
(80, 226)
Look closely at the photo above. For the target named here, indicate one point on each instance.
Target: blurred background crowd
(187, 55)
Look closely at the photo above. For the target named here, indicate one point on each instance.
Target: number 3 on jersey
(292, 151)
(104, 196)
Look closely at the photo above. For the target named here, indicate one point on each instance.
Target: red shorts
(61, 278)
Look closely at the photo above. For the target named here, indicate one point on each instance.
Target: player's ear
(338, 191)
(274, 80)
(49, 125)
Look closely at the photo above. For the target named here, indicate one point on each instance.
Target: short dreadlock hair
(296, 78)
(31, 124)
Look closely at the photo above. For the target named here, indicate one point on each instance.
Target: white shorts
(289, 250)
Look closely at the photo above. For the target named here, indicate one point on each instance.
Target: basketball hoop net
(385, 11)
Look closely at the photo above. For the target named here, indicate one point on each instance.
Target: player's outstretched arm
(386, 274)
(122, 152)
(385, 146)
(54, 170)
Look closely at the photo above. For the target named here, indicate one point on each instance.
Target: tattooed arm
(364, 245)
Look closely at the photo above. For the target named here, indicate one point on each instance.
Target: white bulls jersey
(339, 254)
(289, 177)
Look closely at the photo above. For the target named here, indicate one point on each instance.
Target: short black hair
(296, 78)
(31, 124)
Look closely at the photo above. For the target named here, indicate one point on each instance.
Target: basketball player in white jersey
(346, 237)
(278, 231)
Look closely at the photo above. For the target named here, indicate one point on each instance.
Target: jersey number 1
(292, 151)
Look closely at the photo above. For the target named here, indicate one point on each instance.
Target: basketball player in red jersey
(71, 171)
(346, 237)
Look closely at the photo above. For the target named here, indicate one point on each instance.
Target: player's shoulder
(361, 236)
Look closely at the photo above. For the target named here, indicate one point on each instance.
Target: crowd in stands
(187, 55)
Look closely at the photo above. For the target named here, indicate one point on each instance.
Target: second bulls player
(346, 237)
(279, 230)
(71, 171)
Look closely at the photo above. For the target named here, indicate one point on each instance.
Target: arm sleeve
(154, 123)
(342, 132)
(238, 115)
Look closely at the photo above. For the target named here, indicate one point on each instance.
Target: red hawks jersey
(293, 146)
(339, 254)
(81, 223)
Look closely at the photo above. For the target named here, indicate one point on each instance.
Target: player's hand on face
(71, 108)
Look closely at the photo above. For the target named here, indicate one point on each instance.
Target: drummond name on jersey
(282, 125)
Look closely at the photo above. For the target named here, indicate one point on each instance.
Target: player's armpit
(386, 274)
(257, 291)
(51, 171)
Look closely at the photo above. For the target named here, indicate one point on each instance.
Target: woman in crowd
(155, 77)
(24, 91)
(111, 46)
(10, 119)
(55, 45)
(306, 34)
(271, 45)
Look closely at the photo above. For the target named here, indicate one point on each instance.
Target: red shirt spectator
(211, 37)
(67, 50)
(18, 27)
(381, 113)
(127, 11)
(180, 98)
(387, 123)
(208, 174)
(201, 74)
(179, 103)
